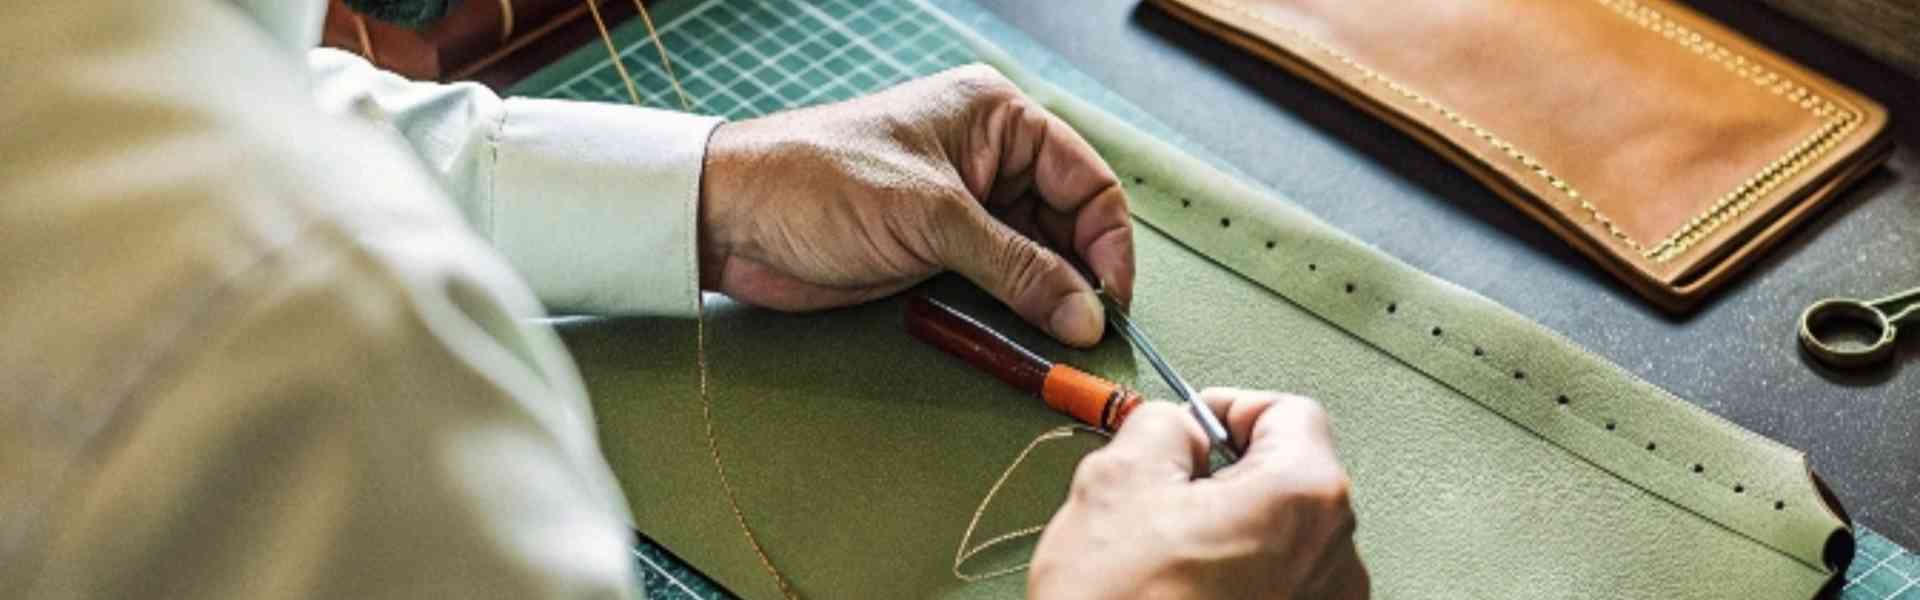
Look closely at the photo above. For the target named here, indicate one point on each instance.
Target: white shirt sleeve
(594, 204)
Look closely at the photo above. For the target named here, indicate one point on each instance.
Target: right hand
(1137, 524)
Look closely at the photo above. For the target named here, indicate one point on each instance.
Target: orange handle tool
(1089, 398)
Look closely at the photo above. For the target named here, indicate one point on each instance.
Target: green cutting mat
(743, 58)
(746, 59)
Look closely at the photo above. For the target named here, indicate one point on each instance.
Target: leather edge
(1746, 251)
(1840, 548)
(1810, 186)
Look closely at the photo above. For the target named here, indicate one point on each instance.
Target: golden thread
(506, 19)
(612, 53)
(700, 328)
(366, 41)
(664, 63)
(961, 554)
(1837, 123)
(720, 467)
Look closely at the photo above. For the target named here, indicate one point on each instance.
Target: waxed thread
(366, 40)
(593, 6)
(506, 19)
(665, 65)
(699, 319)
(961, 554)
(619, 66)
(719, 466)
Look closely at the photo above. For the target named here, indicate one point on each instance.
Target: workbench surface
(1736, 355)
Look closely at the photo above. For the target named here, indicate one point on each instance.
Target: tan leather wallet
(1661, 144)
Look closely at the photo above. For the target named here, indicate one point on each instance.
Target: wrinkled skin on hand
(843, 203)
(847, 202)
(1275, 525)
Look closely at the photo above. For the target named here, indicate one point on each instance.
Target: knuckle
(1099, 471)
(1025, 264)
(981, 77)
(950, 211)
(949, 223)
(983, 86)
(1306, 410)
(1047, 569)
(1331, 500)
(1312, 494)
(1333, 492)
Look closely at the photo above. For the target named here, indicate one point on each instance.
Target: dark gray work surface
(1736, 355)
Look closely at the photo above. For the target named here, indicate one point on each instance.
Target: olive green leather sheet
(1491, 458)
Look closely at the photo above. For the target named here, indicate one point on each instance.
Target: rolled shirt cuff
(597, 205)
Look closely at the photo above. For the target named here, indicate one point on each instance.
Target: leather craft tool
(1089, 398)
(1219, 445)
(1884, 316)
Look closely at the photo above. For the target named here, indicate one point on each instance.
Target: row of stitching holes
(1698, 468)
(1225, 222)
(1394, 308)
(1563, 400)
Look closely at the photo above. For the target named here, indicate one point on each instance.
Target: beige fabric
(254, 349)
(593, 203)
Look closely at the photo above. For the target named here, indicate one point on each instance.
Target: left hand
(847, 202)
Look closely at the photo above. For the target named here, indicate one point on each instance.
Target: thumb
(1038, 284)
(1160, 440)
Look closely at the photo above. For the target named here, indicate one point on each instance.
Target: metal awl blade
(1220, 444)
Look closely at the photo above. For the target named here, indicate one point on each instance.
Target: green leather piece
(858, 455)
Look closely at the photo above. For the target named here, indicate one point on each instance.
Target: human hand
(1275, 525)
(843, 203)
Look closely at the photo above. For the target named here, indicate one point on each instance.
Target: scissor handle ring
(1826, 310)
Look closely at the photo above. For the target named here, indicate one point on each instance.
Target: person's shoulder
(139, 237)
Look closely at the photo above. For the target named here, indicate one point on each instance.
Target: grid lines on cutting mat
(746, 59)
(1882, 570)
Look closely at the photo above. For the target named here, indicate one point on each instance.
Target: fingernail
(1077, 320)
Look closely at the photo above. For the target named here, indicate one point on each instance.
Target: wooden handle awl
(1089, 398)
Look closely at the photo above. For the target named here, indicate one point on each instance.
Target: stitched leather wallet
(1661, 144)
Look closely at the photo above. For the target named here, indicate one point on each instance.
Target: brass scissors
(1884, 316)
(1220, 452)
